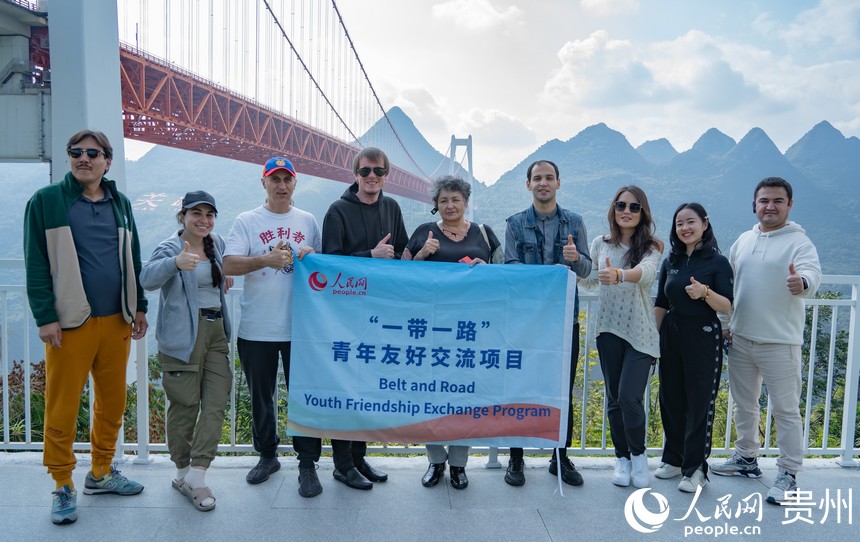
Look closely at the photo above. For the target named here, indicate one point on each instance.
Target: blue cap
(276, 163)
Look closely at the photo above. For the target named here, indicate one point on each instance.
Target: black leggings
(625, 373)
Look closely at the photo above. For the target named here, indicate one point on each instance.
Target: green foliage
(817, 358)
(818, 399)
(18, 408)
(592, 389)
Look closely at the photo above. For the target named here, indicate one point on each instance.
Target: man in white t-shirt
(263, 245)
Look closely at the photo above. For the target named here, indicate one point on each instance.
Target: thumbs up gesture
(383, 249)
(569, 250)
(186, 260)
(794, 282)
(607, 275)
(430, 247)
(279, 256)
(696, 290)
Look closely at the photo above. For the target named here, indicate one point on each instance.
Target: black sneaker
(569, 474)
(309, 482)
(261, 471)
(515, 475)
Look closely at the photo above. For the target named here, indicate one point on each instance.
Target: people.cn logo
(639, 517)
(317, 281)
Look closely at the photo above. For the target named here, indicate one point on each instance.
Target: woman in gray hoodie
(193, 334)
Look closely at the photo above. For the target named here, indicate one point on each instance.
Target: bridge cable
(372, 90)
(305, 66)
(442, 161)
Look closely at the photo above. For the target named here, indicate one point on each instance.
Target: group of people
(751, 301)
(86, 285)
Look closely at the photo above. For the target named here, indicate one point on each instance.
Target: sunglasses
(634, 207)
(77, 152)
(378, 171)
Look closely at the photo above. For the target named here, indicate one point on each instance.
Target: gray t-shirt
(208, 296)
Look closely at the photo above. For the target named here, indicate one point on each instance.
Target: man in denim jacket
(546, 234)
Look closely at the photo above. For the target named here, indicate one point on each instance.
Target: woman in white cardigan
(626, 263)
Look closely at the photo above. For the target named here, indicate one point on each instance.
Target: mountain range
(716, 171)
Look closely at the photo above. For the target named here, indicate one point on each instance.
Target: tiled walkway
(401, 509)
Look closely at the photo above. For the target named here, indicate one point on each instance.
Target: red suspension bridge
(245, 79)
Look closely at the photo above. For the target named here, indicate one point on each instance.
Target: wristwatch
(805, 283)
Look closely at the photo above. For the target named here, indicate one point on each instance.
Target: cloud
(476, 14)
(600, 71)
(493, 127)
(831, 25)
(681, 87)
(693, 69)
(422, 107)
(606, 8)
(704, 72)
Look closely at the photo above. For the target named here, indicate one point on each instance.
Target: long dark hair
(707, 247)
(643, 239)
(208, 249)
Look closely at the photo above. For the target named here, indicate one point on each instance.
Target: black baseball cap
(193, 199)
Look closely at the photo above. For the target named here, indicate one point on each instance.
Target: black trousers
(625, 374)
(259, 361)
(691, 361)
(347, 453)
(574, 361)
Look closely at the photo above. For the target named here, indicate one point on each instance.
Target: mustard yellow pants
(101, 347)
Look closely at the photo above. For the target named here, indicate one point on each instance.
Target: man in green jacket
(82, 256)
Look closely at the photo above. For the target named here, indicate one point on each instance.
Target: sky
(515, 74)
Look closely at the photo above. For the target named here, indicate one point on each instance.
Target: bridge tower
(57, 82)
(452, 162)
(85, 78)
(25, 98)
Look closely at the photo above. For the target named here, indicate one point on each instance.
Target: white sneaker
(666, 471)
(689, 484)
(639, 475)
(621, 476)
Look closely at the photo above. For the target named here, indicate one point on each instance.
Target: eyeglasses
(634, 207)
(378, 171)
(77, 152)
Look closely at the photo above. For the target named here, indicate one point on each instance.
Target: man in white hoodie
(776, 266)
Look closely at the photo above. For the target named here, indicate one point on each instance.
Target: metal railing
(831, 387)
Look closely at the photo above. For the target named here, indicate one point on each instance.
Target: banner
(418, 352)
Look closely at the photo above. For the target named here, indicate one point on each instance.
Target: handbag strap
(486, 239)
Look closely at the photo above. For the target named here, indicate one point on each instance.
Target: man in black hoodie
(366, 223)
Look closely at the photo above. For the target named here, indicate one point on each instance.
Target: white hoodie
(764, 310)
